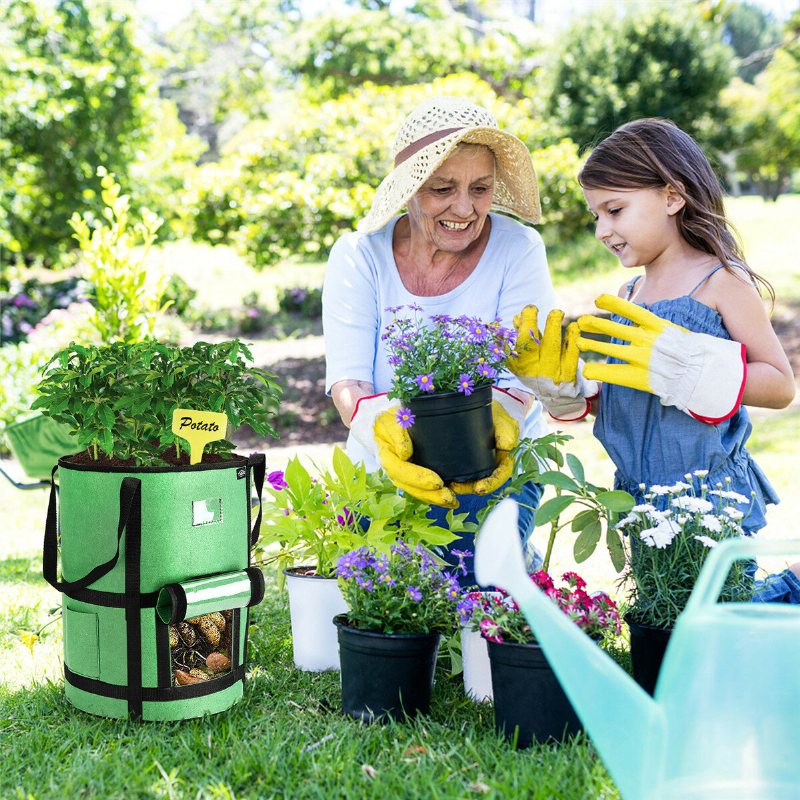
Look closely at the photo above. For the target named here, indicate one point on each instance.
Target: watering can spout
(624, 722)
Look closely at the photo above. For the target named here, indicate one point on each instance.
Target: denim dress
(653, 444)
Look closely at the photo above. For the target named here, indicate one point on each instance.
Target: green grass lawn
(287, 739)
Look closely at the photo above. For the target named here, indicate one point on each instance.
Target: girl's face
(451, 207)
(637, 225)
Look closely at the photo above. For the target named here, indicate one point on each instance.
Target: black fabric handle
(257, 464)
(129, 493)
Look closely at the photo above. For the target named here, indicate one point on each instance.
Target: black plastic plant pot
(385, 675)
(648, 645)
(529, 703)
(453, 434)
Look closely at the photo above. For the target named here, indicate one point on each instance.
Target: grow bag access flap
(200, 596)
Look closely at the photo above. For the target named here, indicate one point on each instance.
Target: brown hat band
(415, 147)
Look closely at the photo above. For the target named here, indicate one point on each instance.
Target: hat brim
(516, 190)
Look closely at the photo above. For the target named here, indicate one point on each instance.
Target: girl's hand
(701, 375)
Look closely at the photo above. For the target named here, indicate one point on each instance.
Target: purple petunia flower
(404, 417)
(414, 593)
(276, 480)
(425, 382)
(465, 384)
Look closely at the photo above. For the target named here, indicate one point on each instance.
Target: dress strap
(716, 269)
(631, 285)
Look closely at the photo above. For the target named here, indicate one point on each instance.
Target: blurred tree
(73, 95)
(754, 35)
(766, 118)
(661, 61)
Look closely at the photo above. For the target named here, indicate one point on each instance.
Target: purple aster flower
(461, 555)
(395, 360)
(404, 417)
(414, 593)
(425, 382)
(487, 371)
(346, 517)
(465, 384)
(477, 331)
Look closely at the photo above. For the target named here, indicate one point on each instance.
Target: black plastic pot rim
(234, 461)
(631, 621)
(465, 401)
(341, 621)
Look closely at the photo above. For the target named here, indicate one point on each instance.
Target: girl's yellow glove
(549, 364)
(702, 375)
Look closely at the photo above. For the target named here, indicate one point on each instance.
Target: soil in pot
(648, 645)
(385, 675)
(529, 703)
(453, 434)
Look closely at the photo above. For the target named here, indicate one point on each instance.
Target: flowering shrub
(445, 354)
(402, 592)
(300, 300)
(668, 539)
(498, 617)
(315, 519)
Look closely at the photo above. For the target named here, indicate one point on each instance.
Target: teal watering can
(724, 723)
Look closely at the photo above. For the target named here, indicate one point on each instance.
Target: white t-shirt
(362, 281)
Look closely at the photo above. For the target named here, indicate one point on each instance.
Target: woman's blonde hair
(653, 153)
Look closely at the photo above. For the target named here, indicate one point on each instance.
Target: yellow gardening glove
(395, 450)
(544, 355)
(701, 375)
(506, 436)
(550, 366)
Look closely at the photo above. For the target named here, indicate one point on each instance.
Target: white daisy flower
(706, 540)
(627, 521)
(682, 519)
(694, 505)
(735, 496)
(680, 486)
(660, 536)
(658, 490)
(700, 473)
(711, 523)
(732, 512)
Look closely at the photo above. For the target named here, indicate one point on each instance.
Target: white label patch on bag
(206, 512)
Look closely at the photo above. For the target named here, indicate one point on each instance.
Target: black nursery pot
(648, 645)
(453, 434)
(528, 699)
(385, 674)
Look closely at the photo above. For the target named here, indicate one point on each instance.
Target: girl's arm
(770, 381)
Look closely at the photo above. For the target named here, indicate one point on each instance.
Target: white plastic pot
(477, 670)
(313, 603)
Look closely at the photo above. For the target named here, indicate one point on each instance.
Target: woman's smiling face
(450, 208)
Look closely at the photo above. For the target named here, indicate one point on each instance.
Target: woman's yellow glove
(549, 364)
(395, 450)
(701, 375)
(506, 437)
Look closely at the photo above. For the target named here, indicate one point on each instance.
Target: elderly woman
(448, 254)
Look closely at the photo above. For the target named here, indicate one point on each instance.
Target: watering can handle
(720, 559)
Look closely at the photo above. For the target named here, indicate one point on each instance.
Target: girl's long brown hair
(653, 153)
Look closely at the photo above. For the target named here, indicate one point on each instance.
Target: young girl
(690, 338)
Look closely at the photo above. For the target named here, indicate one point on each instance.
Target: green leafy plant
(119, 398)
(314, 520)
(668, 539)
(404, 591)
(301, 300)
(127, 302)
(542, 460)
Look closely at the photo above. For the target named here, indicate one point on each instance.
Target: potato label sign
(198, 428)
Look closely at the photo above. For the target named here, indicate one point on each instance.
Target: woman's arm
(346, 395)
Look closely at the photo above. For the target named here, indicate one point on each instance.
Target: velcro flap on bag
(198, 596)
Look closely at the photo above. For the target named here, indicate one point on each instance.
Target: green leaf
(551, 509)
(586, 542)
(615, 500)
(615, 549)
(558, 479)
(584, 518)
(576, 468)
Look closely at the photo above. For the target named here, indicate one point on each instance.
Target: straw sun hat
(429, 136)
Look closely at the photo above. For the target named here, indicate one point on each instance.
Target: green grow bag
(156, 583)
(38, 442)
